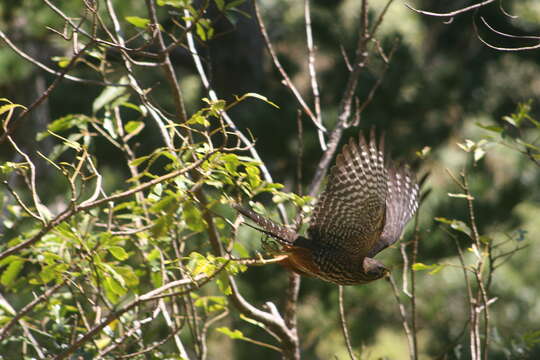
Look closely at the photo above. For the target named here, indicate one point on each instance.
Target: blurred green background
(442, 82)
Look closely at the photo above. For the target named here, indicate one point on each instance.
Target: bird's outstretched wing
(401, 204)
(350, 213)
(279, 232)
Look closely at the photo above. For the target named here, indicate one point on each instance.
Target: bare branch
(313, 72)
(283, 73)
(524, 37)
(48, 69)
(403, 314)
(451, 13)
(343, 321)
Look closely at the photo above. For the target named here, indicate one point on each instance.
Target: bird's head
(374, 269)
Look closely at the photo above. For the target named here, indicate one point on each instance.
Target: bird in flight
(367, 202)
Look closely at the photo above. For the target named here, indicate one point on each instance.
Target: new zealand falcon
(367, 202)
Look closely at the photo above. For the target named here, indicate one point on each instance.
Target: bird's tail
(279, 232)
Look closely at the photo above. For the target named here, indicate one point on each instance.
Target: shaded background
(442, 82)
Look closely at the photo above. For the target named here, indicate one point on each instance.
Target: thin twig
(451, 13)
(48, 69)
(282, 71)
(343, 321)
(403, 314)
(522, 48)
(313, 72)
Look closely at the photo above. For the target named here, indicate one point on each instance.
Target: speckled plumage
(367, 202)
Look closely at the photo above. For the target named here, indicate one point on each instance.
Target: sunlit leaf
(138, 21)
(421, 266)
(233, 334)
(130, 278)
(109, 94)
(6, 108)
(493, 128)
(257, 96)
(510, 120)
(193, 217)
(118, 252)
(456, 225)
(174, 3)
(12, 272)
(462, 196)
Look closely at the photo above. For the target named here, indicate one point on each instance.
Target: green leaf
(421, 266)
(157, 279)
(62, 61)
(118, 252)
(435, 268)
(64, 123)
(138, 21)
(199, 29)
(67, 142)
(135, 107)
(493, 128)
(233, 334)
(155, 254)
(510, 120)
(257, 96)
(467, 146)
(461, 196)
(200, 264)
(199, 118)
(223, 285)
(6, 108)
(240, 249)
(211, 303)
(174, 3)
(252, 321)
(193, 217)
(168, 203)
(52, 272)
(10, 274)
(253, 177)
(48, 273)
(109, 126)
(108, 95)
(139, 160)
(479, 154)
(130, 278)
(234, 4)
(8, 167)
(231, 163)
(160, 226)
(113, 289)
(220, 4)
(134, 127)
(456, 225)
